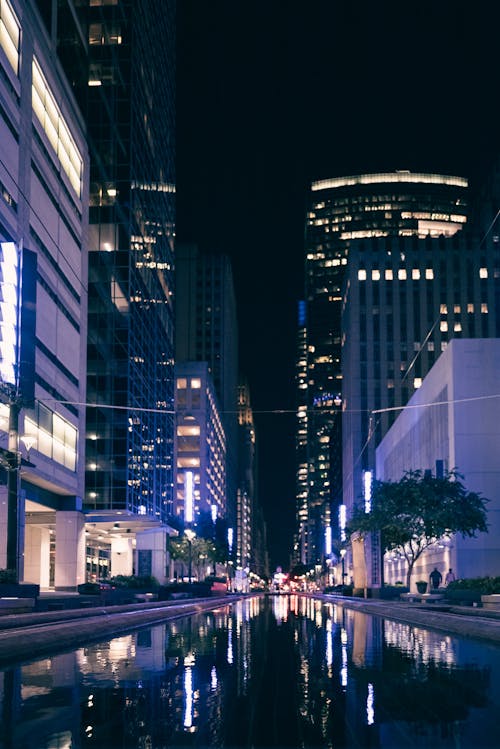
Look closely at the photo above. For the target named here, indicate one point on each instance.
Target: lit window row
(402, 274)
(56, 129)
(389, 177)
(10, 34)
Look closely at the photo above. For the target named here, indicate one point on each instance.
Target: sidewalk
(464, 621)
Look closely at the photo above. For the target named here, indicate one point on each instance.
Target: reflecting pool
(277, 671)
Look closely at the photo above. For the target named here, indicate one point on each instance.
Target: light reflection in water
(338, 678)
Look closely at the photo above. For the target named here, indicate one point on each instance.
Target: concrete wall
(453, 417)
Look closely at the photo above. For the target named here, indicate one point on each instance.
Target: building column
(152, 553)
(70, 550)
(3, 526)
(37, 555)
(122, 556)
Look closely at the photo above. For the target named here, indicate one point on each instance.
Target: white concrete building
(454, 417)
(43, 220)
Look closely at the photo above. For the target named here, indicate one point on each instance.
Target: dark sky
(272, 95)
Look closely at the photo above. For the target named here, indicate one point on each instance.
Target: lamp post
(190, 534)
(343, 552)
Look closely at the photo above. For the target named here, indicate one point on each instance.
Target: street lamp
(190, 534)
(343, 552)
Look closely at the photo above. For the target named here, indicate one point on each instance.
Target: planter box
(19, 590)
(491, 602)
(463, 597)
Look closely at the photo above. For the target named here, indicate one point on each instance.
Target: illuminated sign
(342, 522)
(188, 497)
(328, 540)
(367, 490)
(230, 538)
(9, 312)
(213, 512)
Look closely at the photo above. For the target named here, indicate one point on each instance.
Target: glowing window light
(367, 490)
(9, 307)
(213, 512)
(389, 177)
(10, 32)
(55, 127)
(230, 538)
(188, 497)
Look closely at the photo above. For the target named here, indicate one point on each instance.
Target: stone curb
(37, 638)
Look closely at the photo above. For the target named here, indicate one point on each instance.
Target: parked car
(218, 585)
(94, 589)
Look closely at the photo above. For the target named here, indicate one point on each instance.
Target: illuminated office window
(429, 274)
(55, 127)
(402, 274)
(483, 272)
(53, 436)
(415, 274)
(375, 275)
(362, 275)
(388, 274)
(10, 34)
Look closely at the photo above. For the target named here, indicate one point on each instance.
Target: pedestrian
(450, 576)
(435, 578)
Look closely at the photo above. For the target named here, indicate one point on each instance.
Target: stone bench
(432, 597)
(16, 605)
(491, 602)
(410, 597)
(421, 597)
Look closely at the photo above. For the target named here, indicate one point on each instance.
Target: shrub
(484, 585)
(8, 576)
(142, 582)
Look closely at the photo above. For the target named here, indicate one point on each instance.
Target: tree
(413, 513)
(201, 551)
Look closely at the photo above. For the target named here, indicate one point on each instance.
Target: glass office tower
(343, 211)
(119, 56)
(130, 115)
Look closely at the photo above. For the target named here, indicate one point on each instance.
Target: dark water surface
(278, 671)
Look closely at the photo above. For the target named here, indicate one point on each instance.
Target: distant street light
(343, 552)
(190, 534)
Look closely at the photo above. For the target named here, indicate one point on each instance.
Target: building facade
(44, 183)
(246, 493)
(200, 446)
(453, 420)
(207, 330)
(129, 108)
(344, 212)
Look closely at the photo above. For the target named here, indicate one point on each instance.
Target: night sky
(272, 95)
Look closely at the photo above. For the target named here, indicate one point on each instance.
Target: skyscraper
(129, 108)
(207, 330)
(344, 211)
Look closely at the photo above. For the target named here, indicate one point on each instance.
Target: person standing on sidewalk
(450, 577)
(435, 578)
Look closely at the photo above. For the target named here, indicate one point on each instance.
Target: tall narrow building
(120, 58)
(207, 330)
(343, 212)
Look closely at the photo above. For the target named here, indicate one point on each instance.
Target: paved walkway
(464, 621)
